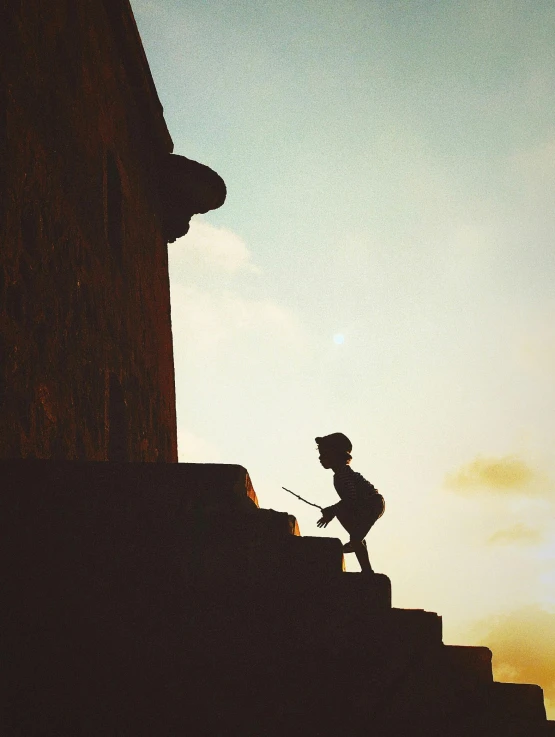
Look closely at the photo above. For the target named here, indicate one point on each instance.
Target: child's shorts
(358, 521)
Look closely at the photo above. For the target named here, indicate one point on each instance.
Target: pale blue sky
(391, 178)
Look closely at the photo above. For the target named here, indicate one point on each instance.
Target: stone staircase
(159, 600)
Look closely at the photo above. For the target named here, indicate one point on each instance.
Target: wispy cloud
(537, 342)
(212, 304)
(206, 319)
(518, 534)
(194, 449)
(207, 247)
(523, 645)
(508, 474)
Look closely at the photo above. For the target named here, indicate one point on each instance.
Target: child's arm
(327, 515)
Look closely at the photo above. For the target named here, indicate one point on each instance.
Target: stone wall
(85, 327)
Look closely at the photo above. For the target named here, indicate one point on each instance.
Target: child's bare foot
(348, 547)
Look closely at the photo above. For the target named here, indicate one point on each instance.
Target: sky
(383, 267)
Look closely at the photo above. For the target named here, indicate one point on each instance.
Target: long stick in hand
(302, 500)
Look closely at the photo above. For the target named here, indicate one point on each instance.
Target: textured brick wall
(84, 291)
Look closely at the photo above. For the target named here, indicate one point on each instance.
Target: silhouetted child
(361, 504)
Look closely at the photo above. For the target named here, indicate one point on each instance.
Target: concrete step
(254, 529)
(439, 690)
(505, 710)
(352, 596)
(256, 548)
(525, 729)
(359, 593)
(452, 692)
(546, 729)
(420, 625)
(472, 665)
(514, 701)
(298, 556)
(312, 622)
(279, 523)
(80, 485)
(502, 728)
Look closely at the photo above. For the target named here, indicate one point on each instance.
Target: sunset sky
(383, 266)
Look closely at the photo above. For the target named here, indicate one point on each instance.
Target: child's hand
(327, 515)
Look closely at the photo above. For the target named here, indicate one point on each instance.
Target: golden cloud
(506, 474)
(519, 534)
(523, 646)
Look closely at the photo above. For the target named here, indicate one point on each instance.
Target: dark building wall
(85, 327)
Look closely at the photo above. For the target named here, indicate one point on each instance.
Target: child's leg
(361, 552)
(358, 527)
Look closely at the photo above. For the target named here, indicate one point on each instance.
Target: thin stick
(302, 500)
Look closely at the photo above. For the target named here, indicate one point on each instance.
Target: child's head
(334, 450)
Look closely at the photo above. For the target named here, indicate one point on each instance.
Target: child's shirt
(353, 488)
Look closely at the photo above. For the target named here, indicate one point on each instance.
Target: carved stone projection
(187, 188)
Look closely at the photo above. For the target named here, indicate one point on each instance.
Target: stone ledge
(472, 664)
(518, 701)
(83, 485)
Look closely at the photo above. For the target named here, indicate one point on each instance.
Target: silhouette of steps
(515, 710)
(484, 724)
(525, 729)
(279, 555)
(503, 728)
(472, 664)
(149, 599)
(252, 531)
(183, 487)
(292, 527)
(417, 624)
(353, 594)
(346, 666)
(300, 557)
(512, 710)
(451, 691)
(517, 701)
(227, 546)
(315, 661)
